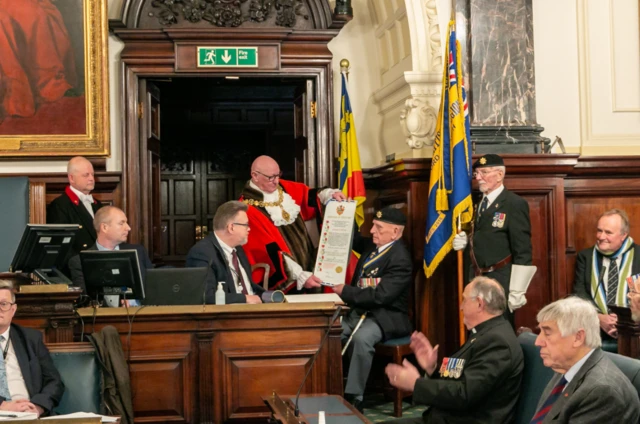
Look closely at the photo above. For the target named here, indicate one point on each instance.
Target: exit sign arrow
(229, 57)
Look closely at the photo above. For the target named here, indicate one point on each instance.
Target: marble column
(498, 53)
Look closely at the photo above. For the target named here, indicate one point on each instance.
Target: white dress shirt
(86, 199)
(491, 197)
(228, 251)
(15, 380)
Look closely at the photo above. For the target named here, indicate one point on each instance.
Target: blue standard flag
(450, 181)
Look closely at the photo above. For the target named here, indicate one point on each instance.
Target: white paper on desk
(21, 416)
(313, 298)
(334, 247)
(103, 418)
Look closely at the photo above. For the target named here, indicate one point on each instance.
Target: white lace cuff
(326, 194)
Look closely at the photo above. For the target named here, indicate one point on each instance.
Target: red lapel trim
(74, 197)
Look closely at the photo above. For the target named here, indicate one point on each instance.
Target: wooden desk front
(213, 364)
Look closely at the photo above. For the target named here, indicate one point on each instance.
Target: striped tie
(612, 282)
(548, 404)
(4, 383)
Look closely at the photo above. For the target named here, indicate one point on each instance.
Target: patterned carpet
(378, 409)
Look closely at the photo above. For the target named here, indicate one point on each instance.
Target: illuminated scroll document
(334, 247)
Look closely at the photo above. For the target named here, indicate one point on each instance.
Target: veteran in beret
(501, 233)
(378, 296)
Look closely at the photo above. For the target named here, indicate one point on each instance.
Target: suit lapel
(363, 258)
(23, 358)
(487, 216)
(223, 258)
(574, 385)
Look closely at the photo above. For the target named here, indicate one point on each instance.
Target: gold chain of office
(263, 204)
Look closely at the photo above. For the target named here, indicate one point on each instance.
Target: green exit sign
(235, 57)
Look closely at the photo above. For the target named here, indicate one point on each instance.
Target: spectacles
(5, 306)
(271, 178)
(484, 173)
(242, 224)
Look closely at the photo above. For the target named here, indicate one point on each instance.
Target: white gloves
(460, 241)
(296, 272)
(516, 300)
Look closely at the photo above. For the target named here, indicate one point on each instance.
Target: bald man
(76, 205)
(277, 211)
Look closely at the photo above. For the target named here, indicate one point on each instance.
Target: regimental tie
(236, 266)
(548, 404)
(483, 206)
(612, 282)
(4, 385)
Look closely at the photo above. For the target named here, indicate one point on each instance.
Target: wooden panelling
(213, 364)
(565, 193)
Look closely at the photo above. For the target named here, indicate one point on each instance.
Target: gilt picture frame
(54, 89)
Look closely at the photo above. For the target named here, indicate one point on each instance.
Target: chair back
(630, 368)
(14, 215)
(534, 379)
(80, 372)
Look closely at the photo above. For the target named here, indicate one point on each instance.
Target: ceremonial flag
(450, 182)
(350, 179)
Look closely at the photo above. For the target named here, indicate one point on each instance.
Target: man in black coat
(112, 231)
(501, 234)
(221, 252)
(77, 205)
(594, 270)
(31, 383)
(380, 289)
(480, 383)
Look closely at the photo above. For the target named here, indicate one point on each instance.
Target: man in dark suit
(480, 383)
(602, 270)
(587, 386)
(222, 252)
(29, 382)
(501, 234)
(77, 205)
(110, 224)
(379, 289)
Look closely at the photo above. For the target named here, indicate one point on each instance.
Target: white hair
(491, 292)
(572, 315)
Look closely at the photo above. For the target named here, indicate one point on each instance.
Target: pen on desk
(2, 414)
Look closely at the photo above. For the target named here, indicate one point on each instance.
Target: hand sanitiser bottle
(220, 294)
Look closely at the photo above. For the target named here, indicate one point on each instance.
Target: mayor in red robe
(279, 238)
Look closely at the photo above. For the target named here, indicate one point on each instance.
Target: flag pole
(463, 333)
(344, 68)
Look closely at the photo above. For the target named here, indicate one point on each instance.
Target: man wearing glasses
(277, 213)
(29, 382)
(222, 252)
(501, 232)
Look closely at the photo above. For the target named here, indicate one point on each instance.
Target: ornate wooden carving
(51, 313)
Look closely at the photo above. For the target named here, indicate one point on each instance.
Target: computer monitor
(43, 250)
(109, 272)
(176, 286)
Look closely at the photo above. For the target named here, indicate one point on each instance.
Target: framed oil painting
(54, 97)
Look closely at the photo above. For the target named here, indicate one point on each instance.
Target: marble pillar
(498, 54)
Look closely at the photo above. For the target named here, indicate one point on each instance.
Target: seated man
(222, 252)
(112, 231)
(593, 389)
(602, 270)
(32, 383)
(380, 289)
(480, 383)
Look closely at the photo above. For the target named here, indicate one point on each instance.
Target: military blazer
(598, 393)
(488, 386)
(388, 303)
(68, 209)
(503, 229)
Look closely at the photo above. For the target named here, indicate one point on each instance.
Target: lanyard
(6, 350)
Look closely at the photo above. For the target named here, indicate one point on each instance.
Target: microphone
(333, 318)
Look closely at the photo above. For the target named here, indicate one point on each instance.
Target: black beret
(488, 160)
(391, 215)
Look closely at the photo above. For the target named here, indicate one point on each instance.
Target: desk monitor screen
(176, 286)
(43, 250)
(112, 272)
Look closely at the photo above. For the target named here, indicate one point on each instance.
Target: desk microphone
(333, 318)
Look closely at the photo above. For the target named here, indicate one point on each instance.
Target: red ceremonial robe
(266, 243)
